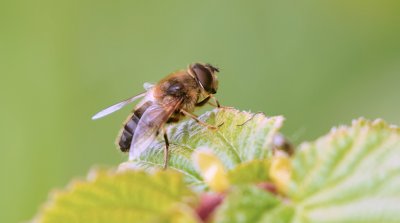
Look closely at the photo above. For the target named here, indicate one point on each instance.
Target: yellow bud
(211, 169)
(280, 171)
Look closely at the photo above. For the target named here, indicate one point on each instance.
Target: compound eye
(204, 76)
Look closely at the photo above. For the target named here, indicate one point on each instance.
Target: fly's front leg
(166, 150)
(217, 104)
(199, 121)
(203, 102)
(216, 101)
(206, 100)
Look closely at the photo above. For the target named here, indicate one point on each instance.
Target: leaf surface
(350, 175)
(252, 204)
(130, 196)
(242, 137)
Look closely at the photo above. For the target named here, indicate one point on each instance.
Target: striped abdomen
(126, 135)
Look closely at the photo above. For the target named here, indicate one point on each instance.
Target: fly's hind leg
(166, 150)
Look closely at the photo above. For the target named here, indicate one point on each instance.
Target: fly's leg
(199, 121)
(217, 104)
(166, 150)
(203, 102)
(216, 101)
(207, 101)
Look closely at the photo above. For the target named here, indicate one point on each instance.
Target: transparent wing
(149, 124)
(117, 106)
(147, 86)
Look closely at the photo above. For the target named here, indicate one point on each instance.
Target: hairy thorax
(181, 87)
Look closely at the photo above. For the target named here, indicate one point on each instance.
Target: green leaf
(255, 171)
(130, 196)
(252, 204)
(350, 175)
(242, 137)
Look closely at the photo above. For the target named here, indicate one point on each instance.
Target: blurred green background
(318, 63)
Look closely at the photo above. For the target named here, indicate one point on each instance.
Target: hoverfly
(172, 98)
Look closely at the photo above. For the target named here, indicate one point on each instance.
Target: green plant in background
(318, 63)
(240, 173)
